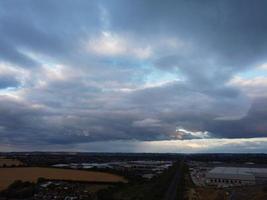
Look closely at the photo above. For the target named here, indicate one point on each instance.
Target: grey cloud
(7, 80)
(45, 28)
(10, 54)
(71, 96)
(227, 29)
(252, 125)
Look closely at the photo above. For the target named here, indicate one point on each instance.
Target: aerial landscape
(133, 100)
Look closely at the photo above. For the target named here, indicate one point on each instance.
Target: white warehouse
(236, 176)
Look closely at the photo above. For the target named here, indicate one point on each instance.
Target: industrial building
(236, 176)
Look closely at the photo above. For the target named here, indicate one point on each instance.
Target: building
(236, 176)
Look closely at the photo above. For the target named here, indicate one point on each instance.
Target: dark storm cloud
(88, 71)
(44, 27)
(232, 31)
(253, 124)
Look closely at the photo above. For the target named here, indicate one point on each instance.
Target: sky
(133, 76)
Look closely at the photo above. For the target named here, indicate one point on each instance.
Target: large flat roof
(237, 173)
(238, 170)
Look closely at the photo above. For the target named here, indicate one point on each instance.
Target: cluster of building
(59, 190)
(236, 176)
(147, 168)
(223, 175)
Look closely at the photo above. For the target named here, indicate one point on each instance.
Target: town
(97, 176)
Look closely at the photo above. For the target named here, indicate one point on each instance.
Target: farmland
(9, 175)
(9, 162)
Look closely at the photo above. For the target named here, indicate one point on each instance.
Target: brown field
(9, 162)
(9, 175)
(211, 194)
(258, 192)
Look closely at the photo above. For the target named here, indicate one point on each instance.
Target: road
(171, 193)
(232, 195)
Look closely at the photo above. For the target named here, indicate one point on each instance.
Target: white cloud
(249, 145)
(148, 122)
(182, 133)
(57, 72)
(107, 44)
(205, 145)
(142, 53)
(263, 66)
(111, 44)
(6, 68)
(249, 82)
(253, 87)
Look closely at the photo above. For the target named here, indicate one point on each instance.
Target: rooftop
(238, 170)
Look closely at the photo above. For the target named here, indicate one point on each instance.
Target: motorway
(171, 193)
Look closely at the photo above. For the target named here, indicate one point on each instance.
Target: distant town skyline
(133, 76)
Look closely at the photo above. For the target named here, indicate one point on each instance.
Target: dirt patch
(211, 194)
